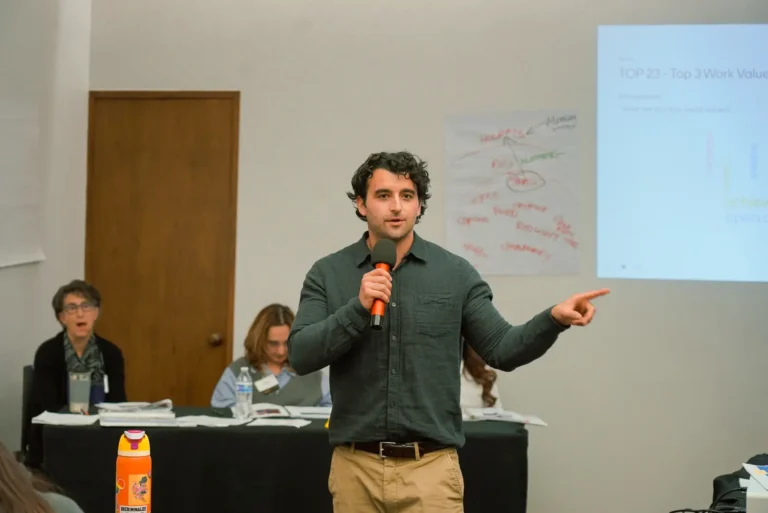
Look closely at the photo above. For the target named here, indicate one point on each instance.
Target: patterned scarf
(91, 361)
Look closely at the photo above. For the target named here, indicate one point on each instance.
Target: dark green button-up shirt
(402, 383)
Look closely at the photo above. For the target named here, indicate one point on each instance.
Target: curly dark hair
(79, 288)
(401, 163)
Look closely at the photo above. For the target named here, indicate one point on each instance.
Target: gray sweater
(299, 391)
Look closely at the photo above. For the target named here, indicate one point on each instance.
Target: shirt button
(394, 371)
(394, 304)
(394, 337)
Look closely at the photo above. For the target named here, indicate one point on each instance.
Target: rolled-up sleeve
(225, 393)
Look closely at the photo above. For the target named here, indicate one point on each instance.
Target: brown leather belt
(411, 450)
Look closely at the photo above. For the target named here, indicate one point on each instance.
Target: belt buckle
(381, 448)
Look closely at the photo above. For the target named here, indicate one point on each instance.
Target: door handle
(215, 340)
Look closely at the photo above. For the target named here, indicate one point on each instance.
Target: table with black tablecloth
(266, 468)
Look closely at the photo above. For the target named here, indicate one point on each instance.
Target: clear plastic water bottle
(244, 394)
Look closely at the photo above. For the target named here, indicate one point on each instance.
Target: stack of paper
(757, 488)
(65, 419)
(477, 414)
(164, 405)
(137, 418)
(139, 414)
(758, 472)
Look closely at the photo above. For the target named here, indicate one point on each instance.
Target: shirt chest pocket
(436, 315)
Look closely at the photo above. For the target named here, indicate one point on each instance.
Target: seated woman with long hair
(478, 382)
(266, 354)
(24, 492)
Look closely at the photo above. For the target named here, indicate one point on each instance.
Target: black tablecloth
(246, 469)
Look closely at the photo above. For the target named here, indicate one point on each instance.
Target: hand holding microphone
(376, 286)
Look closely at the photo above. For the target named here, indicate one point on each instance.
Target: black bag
(726, 492)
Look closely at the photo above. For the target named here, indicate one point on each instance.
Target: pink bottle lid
(134, 436)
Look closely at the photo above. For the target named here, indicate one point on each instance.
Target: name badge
(106, 384)
(267, 385)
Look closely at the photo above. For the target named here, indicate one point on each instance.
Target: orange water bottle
(133, 489)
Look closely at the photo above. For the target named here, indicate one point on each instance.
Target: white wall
(49, 68)
(648, 404)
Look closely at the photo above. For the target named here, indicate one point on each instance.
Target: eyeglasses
(72, 308)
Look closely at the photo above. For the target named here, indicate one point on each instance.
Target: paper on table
(477, 414)
(260, 410)
(263, 410)
(758, 472)
(137, 418)
(309, 412)
(65, 419)
(297, 423)
(208, 421)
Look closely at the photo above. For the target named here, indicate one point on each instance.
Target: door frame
(96, 95)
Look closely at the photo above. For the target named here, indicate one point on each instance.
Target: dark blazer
(50, 384)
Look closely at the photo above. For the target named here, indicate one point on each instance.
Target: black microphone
(384, 257)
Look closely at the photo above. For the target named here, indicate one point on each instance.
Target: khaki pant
(361, 482)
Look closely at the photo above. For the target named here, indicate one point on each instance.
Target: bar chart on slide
(753, 161)
(750, 169)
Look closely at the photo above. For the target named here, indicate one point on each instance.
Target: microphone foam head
(384, 253)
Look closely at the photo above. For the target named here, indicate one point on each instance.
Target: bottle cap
(133, 443)
(134, 434)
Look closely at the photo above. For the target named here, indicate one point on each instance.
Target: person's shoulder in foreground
(24, 490)
(61, 503)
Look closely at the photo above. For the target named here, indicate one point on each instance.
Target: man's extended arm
(501, 345)
(319, 337)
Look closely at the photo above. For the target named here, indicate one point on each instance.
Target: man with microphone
(388, 317)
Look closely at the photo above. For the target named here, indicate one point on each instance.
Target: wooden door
(160, 236)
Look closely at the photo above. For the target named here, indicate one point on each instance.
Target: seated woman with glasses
(75, 351)
(478, 382)
(266, 357)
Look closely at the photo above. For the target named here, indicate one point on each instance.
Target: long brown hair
(258, 333)
(19, 488)
(475, 367)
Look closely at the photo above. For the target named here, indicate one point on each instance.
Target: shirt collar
(265, 370)
(363, 253)
(68, 342)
